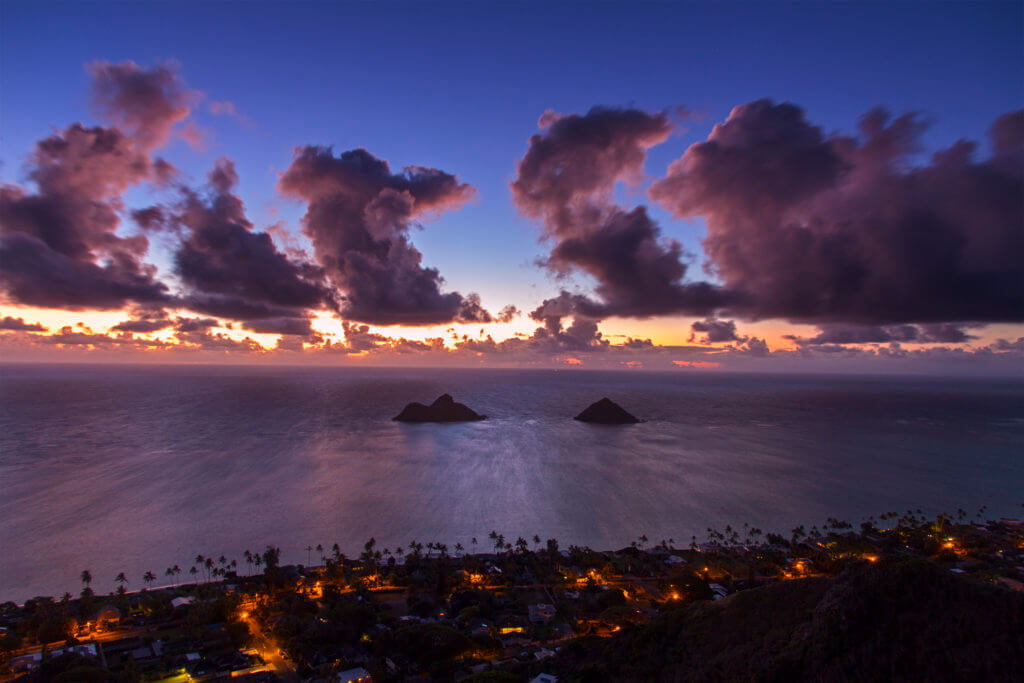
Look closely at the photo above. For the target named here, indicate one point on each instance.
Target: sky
(685, 186)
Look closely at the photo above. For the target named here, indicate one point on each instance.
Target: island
(607, 412)
(444, 409)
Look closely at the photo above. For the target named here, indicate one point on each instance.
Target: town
(497, 610)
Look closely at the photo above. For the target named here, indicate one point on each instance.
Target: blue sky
(460, 86)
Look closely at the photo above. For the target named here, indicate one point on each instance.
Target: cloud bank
(861, 236)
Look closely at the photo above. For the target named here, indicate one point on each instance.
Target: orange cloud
(703, 364)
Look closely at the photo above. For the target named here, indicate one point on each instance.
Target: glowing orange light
(702, 364)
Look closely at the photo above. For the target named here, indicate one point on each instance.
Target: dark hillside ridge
(906, 621)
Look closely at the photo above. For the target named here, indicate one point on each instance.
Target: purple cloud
(815, 228)
(358, 218)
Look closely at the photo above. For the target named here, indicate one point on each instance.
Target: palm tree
(193, 571)
(121, 579)
(473, 541)
(209, 566)
(169, 573)
(177, 571)
(320, 549)
(86, 577)
(248, 560)
(149, 578)
(536, 540)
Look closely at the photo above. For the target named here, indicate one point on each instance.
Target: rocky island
(607, 412)
(444, 409)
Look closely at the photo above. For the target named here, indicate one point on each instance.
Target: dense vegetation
(899, 620)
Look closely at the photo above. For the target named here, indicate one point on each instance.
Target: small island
(607, 412)
(444, 409)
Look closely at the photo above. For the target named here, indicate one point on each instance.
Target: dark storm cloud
(358, 218)
(147, 103)
(714, 331)
(566, 180)
(59, 247)
(848, 229)
(231, 271)
(19, 325)
(33, 274)
(151, 218)
(286, 326)
(145, 321)
(186, 324)
(930, 333)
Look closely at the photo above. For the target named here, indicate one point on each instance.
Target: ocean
(115, 468)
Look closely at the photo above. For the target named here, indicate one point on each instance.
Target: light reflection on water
(135, 469)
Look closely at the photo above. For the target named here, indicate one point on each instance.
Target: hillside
(908, 620)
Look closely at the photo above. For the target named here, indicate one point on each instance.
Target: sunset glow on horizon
(161, 208)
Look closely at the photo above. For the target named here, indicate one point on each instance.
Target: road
(270, 652)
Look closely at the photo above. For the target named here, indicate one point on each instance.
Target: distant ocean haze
(113, 468)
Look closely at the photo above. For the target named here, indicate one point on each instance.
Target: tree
(121, 579)
(367, 556)
(193, 571)
(86, 577)
(149, 578)
(271, 557)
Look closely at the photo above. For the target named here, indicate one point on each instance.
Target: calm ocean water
(132, 469)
